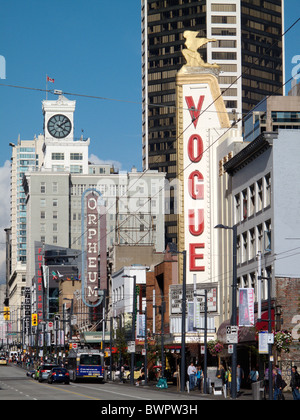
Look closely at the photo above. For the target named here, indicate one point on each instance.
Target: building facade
(265, 202)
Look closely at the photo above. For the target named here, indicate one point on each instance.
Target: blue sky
(89, 47)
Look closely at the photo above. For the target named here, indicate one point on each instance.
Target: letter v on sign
(195, 112)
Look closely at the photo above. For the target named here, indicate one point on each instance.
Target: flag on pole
(50, 80)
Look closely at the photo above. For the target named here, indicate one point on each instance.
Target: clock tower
(61, 151)
(59, 119)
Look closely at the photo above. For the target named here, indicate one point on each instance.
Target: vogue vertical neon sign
(196, 181)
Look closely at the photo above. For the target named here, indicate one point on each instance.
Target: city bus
(86, 364)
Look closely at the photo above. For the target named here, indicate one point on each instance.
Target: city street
(15, 385)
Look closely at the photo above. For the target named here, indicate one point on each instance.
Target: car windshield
(59, 370)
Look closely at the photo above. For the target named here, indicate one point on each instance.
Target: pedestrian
(295, 383)
(239, 377)
(199, 377)
(253, 375)
(122, 378)
(228, 377)
(142, 375)
(192, 376)
(277, 385)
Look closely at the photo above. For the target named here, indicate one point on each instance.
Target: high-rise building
(247, 46)
(27, 156)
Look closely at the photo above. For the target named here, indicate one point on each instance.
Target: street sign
(50, 326)
(232, 334)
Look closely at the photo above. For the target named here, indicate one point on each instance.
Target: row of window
(253, 199)
(54, 187)
(257, 239)
(61, 156)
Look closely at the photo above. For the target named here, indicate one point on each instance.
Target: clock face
(59, 126)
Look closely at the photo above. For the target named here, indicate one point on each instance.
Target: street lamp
(183, 320)
(133, 327)
(234, 305)
(70, 317)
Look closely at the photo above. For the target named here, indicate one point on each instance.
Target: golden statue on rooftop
(191, 54)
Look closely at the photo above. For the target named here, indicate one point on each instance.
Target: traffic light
(6, 313)
(34, 320)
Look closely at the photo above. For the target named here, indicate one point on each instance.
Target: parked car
(3, 361)
(43, 371)
(58, 374)
(31, 373)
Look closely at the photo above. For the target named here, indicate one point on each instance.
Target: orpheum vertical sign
(39, 291)
(200, 119)
(92, 250)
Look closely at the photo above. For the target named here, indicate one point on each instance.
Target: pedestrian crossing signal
(6, 313)
(34, 320)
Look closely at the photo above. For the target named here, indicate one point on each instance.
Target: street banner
(246, 307)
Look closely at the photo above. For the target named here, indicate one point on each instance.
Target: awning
(246, 334)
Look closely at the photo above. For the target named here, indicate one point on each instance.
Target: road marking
(71, 392)
(116, 393)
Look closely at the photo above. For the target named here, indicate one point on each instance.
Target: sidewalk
(244, 395)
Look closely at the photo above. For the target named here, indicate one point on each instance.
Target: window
(55, 239)
(268, 190)
(43, 214)
(238, 250)
(58, 156)
(54, 227)
(55, 215)
(76, 156)
(54, 202)
(223, 19)
(223, 55)
(267, 237)
(42, 202)
(76, 169)
(58, 168)
(259, 238)
(223, 7)
(245, 247)
(259, 195)
(245, 204)
(43, 187)
(252, 200)
(237, 208)
(54, 187)
(252, 244)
